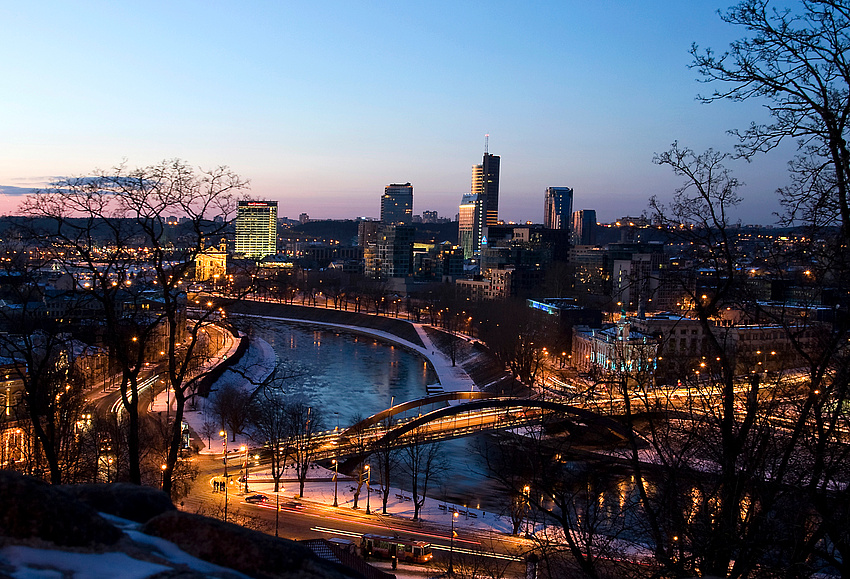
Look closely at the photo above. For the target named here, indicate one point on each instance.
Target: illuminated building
(256, 228)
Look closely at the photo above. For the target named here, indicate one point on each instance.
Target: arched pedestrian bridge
(478, 412)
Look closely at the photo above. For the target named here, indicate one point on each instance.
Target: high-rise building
(557, 208)
(391, 255)
(367, 232)
(488, 187)
(479, 208)
(397, 204)
(584, 227)
(485, 184)
(256, 228)
(470, 225)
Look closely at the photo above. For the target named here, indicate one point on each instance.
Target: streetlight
(244, 448)
(223, 434)
(452, 545)
(162, 475)
(368, 488)
(336, 475)
(525, 491)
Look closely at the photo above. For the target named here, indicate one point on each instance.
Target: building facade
(480, 207)
(470, 225)
(392, 254)
(583, 231)
(211, 263)
(557, 208)
(615, 349)
(397, 204)
(487, 187)
(256, 229)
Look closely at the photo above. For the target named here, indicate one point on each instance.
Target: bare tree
(272, 421)
(424, 464)
(130, 208)
(387, 461)
(305, 422)
(795, 58)
(232, 405)
(749, 456)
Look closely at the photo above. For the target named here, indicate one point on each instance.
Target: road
(304, 519)
(105, 397)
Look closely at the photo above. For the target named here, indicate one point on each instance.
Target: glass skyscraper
(397, 204)
(558, 208)
(480, 207)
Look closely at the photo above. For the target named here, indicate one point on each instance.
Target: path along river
(348, 375)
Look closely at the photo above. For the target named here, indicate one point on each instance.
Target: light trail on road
(142, 387)
(459, 550)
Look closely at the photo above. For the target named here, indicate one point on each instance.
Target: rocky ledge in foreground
(47, 520)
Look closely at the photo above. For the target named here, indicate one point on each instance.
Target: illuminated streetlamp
(525, 491)
(452, 545)
(368, 488)
(223, 435)
(162, 475)
(244, 448)
(336, 475)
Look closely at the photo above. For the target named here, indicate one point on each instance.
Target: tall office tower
(470, 224)
(256, 228)
(397, 204)
(480, 208)
(485, 184)
(584, 227)
(557, 208)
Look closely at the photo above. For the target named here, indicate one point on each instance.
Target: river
(347, 376)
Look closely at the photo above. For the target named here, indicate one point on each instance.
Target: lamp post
(368, 488)
(452, 545)
(336, 475)
(525, 492)
(162, 475)
(244, 448)
(223, 434)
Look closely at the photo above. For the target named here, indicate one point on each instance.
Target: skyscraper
(479, 208)
(557, 208)
(469, 225)
(397, 204)
(485, 184)
(584, 227)
(256, 228)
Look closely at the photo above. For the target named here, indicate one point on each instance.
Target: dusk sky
(322, 104)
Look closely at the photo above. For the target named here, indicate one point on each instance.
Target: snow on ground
(32, 563)
(41, 563)
(259, 361)
(319, 489)
(255, 365)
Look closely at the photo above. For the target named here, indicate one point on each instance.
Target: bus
(402, 549)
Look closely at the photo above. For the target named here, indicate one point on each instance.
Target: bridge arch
(585, 416)
(417, 403)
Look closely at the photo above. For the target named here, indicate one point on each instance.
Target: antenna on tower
(486, 143)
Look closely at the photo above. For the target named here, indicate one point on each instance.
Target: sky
(322, 104)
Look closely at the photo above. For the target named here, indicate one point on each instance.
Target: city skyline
(570, 94)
